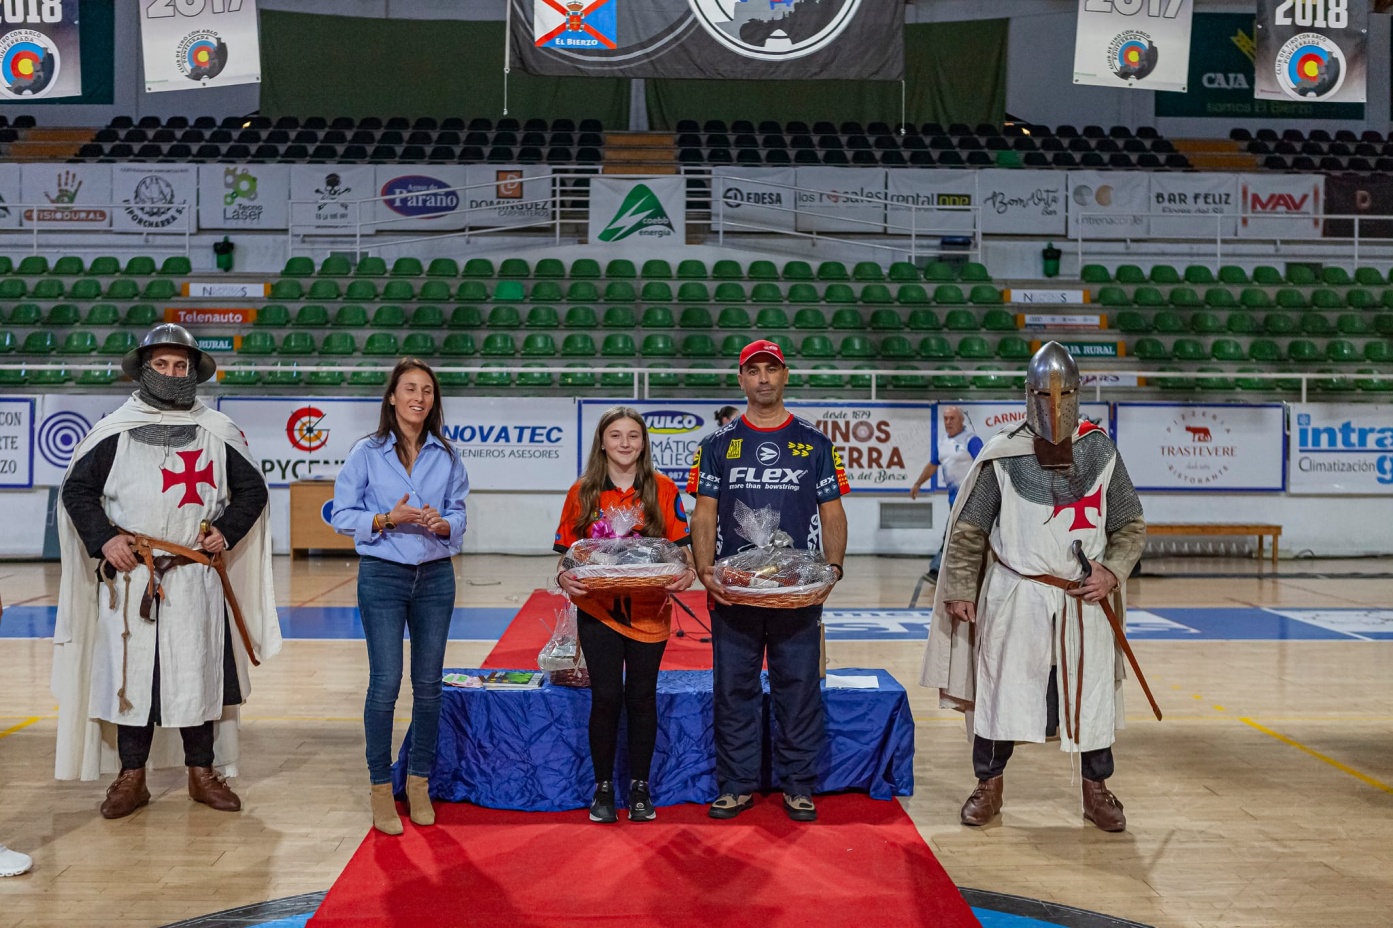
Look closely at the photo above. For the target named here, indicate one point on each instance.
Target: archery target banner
(1314, 51)
(1109, 204)
(40, 53)
(199, 43)
(243, 196)
(754, 199)
(155, 197)
(1133, 43)
(75, 196)
(841, 200)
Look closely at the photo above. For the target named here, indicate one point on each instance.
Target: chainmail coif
(164, 392)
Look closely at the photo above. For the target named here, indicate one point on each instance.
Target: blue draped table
(528, 749)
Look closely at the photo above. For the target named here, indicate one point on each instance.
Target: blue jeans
(393, 597)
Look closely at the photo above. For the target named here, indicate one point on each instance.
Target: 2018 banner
(1204, 447)
(1341, 448)
(40, 52)
(1133, 43)
(1314, 50)
(712, 39)
(199, 43)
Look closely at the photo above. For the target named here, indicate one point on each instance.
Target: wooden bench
(1261, 530)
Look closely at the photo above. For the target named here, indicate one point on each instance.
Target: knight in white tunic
(1020, 639)
(167, 592)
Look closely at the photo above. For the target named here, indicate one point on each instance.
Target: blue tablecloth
(528, 749)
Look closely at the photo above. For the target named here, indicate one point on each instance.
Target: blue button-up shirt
(373, 481)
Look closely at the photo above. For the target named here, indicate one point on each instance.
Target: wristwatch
(387, 524)
(841, 574)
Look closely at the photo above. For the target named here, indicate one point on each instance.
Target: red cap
(762, 346)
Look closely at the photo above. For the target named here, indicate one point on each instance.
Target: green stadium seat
(1291, 298)
(1254, 298)
(235, 376)
(326, 378)
(818, 347)
(1233, 275)
(297, 343)
(1220, 298)
(333, 266)
(466, 317)
(847, 319)
(514, 269)
(695, 317)
(733, 317)
(699, 345)
(1211, 382)
(691, 269)
(1184, 297)
(974, 272)
(118, 343)
(370, 266)
(1251, 383)
(803, 293)
(619, 345)
(361, 291)
(50, 378)
(581, 317)
(1151, 349)
(659, 375)
(621, 291)
(1176, 383)
(432, 291)
(1227, 349)
(1094, 274)
(493, 376)
(1267, 276)
(658, 317)
(857, 348)
(1131, 322)
(949, 295)
(8, 344)
(990, 381)
(912, 295)
(367, 376)
(26, 314)
(1301, 275)
(1371, 384)
(1264, 350)
(407, 267)
(136, 266)
(1369, 277)
(771, 317)
(12, 288)
(1335, 277)
(581, 291)
(797, 270)
(657, 291)
(1304, 351)
(974, 348)
(99, 378)
(63, 314)
(507, 291)
(655, 269)
(1341, 351)
(867, 271)
(586, 269)
(1204, 323)
(1169, 322)
(903, 272)
(443, 267)
(578, 375)
(620, 317)
(876, 294)
(85, 290)
(885, 320)
(176, 266)
(726, 269)
(339, 344)
(1325, 298)
(998, 320)
(290, 290)
(1359, 298)
(826, 381)
(104, 266)
(37, 265)
(896, 348)
(1129, 274)
(762, 270)
(733, 344)
(1241, 323)
(861, 381)
(499, 345)
(785, 343)
(549, 291)
(549, 269)
(429, 316)
(1148, 296)
(543, 317)
(539, 345)
(1164, 274)
(1013, 348)
(140, 314)
(615, 377)
(322, 291)
(1113, 296)
(1354, 324)
(811, 318)
(52, 289)
(838, 293)
(82, 342)
(960, 320)
(951, 381)
(351, 315)
(505, 317)
(389, 316)
(478, 267)
(620, 269)
(939, 271)
(728, 292)
(1198, 274)
(458, 345)
(399, 291)
(16, 378)
(1379, 352)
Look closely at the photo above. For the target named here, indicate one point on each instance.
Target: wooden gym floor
(1264, 799)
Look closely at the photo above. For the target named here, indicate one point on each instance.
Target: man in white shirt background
(956, 450)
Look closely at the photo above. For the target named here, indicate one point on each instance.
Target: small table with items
(528, 749)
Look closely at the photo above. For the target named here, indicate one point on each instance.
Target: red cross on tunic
(1092, 501)
(189, 477)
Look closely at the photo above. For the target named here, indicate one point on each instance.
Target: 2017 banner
(1133, 43)
(1314, 50)
(1341, 448)
(40, 52)
(199, 43)
(721, 39)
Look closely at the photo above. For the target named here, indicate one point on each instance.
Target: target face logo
(29, 63)
(201, 55)
(304, 431)
(60, 435)
(1310, 67)
(780, 30)
(1132, 55)
(767, 453)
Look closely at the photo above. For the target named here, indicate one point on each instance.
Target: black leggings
(623, 675)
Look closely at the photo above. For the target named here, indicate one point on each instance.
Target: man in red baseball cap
(766, 458)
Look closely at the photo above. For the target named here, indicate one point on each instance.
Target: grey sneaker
(800, 808)
(729, 805)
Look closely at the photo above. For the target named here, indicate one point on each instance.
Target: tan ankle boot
(418, 798)
(384, 810)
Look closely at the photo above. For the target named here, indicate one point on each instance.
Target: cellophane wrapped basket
(561, 656)
(613, 560)
(772, 573)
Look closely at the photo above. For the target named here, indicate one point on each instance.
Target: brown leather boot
(385, 817)
(1101, 807)
(418, 799)
(207, 787)
(985, 802)
(126, 795)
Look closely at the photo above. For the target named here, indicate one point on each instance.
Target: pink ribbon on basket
(600, 528)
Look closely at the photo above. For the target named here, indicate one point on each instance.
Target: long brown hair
(592, 482)
(387, 421)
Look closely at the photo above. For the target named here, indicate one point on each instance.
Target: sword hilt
(1076, 548)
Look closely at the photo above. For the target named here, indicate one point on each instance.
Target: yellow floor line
(1343, 768)
(22, 725)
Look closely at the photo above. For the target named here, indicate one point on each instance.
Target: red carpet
(526, 634)
(862, 863)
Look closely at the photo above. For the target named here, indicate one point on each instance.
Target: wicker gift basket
(613, 560)
(772, 573)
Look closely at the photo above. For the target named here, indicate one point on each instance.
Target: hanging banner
(324, 197)
(1108, 204)
(508, 195)
(199, 43)
(11, 195)
(1367, 196)
(712, 39)
(1274, 205)
(506, 444)
(1133, 43)
(1186, 204)
(648, 211)
(1341, 448)
(1204, 447)
(243, 196)
(754, 199)
(1021, 202)
(40, 55)
(930, 202)
(841, 200)
(1312, 50)
(420, 196)
(76, 196)
(155, 197)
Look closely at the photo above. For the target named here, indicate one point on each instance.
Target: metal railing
(153, 220)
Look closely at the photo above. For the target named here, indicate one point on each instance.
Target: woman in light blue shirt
(401, 496)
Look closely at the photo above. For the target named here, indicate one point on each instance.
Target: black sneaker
(800, 808)
(640, 802)
(729, 805)
(602, 806)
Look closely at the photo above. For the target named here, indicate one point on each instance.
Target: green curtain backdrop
(315, 65)
(954, 72)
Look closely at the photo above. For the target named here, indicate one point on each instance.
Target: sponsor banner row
(541, 443)
(1137, 204)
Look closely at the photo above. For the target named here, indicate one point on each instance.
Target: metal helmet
(176, 336)
(1052, 385)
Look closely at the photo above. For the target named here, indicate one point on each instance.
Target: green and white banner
(40, 55)
(649, 210)
(1133, 43)
(1313, 50)
(199, 43)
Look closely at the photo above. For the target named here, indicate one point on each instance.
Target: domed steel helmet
(175, 336)
(1052, 385)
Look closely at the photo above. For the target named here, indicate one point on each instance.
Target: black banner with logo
(720, 39)
(1312, 50)
(1359, 195)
